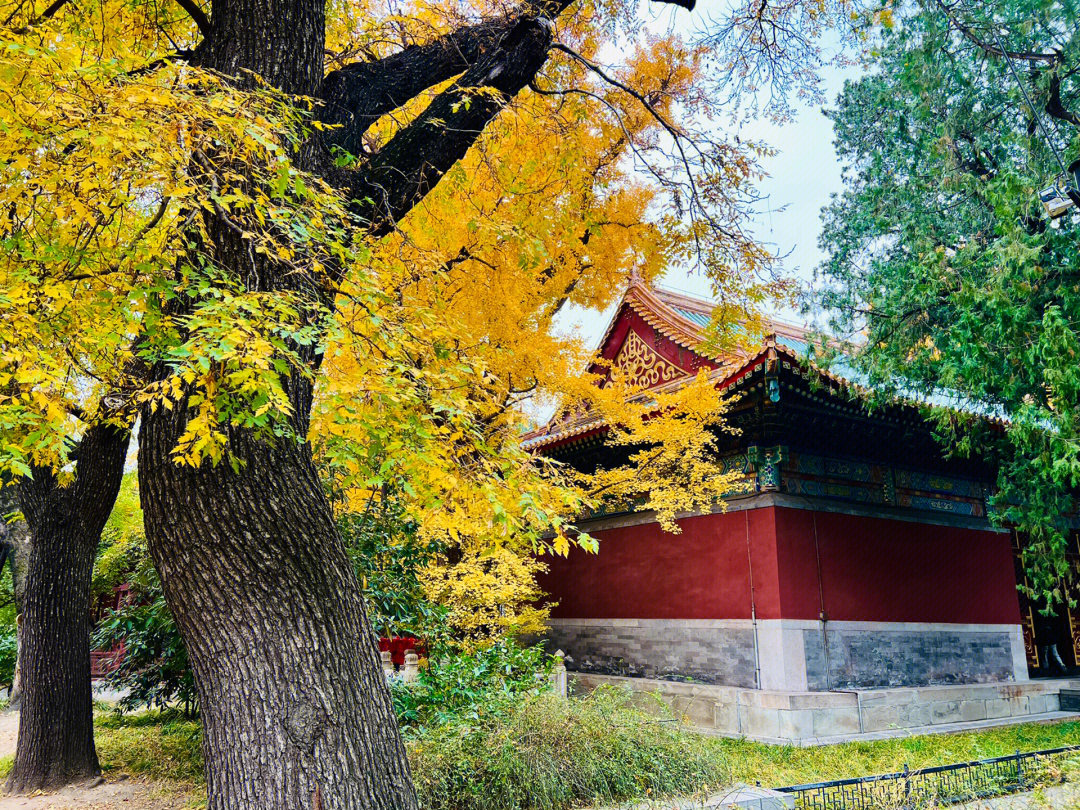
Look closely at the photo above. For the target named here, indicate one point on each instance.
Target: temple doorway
(1062, 629)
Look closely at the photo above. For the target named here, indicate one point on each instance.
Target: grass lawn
(147, 744)
(163, 747)
(777, 766)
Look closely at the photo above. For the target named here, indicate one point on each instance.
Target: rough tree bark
(293, 701)
(295, 708)
(56, 732)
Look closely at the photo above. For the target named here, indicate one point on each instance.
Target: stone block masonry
(706, 651)
(889, 656)
(793, 655)
(814, 718)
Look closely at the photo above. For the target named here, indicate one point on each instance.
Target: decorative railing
(940, 785)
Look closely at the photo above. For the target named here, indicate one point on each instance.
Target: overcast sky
(803, 173)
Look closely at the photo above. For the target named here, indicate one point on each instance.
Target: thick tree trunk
(56, 731)
(295, 708)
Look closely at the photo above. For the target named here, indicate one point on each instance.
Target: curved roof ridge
(665, 318)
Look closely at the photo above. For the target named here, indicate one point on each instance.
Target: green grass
(784, 765)
(151, 744)
(551, 754)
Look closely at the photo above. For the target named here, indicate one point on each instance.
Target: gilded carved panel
(642, 365)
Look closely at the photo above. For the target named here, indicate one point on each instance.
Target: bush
(8, 654)
(551, 753)
(388, 558)
(460, 686)
(153, 666)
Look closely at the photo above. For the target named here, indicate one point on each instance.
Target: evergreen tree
(942, 262)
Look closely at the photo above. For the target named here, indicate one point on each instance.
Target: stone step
(886, 734)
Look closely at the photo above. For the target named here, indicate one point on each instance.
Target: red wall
(644, 572)
(872, 569)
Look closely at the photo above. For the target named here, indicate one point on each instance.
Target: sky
(803, 173)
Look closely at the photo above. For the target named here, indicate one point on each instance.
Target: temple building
(853, 586)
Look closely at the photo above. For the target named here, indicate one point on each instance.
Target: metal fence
(927, 787)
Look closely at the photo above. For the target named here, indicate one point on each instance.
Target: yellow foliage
(437, 342)
(490, 593)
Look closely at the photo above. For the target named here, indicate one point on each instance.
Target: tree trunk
(56, 730)
(295, 708)
(15, 540)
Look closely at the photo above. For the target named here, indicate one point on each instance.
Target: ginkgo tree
(199, 204)
(511, 267)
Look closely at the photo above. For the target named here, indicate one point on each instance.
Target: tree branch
(198, 15)
(400, 174)
(47, 14)
(990, 48)
(359, 93)
(1054, 108)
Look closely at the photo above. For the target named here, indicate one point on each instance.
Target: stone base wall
(793, 655)
(852, 657)
(706, 651)
(815, 718)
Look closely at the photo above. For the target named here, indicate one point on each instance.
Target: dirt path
(112, 793)
(129, 794)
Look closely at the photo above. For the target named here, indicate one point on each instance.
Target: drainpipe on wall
(825, 616)
(753, 606)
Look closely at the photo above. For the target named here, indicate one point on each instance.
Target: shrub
(549, 753)
(153, 665)
(459, 686)
(8, 653)
(389, 557)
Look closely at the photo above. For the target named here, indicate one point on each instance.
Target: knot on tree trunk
(305, 723)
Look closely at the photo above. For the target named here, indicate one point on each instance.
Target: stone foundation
(853, 657)
(707, 651)
(812, 718)
(793, 655)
